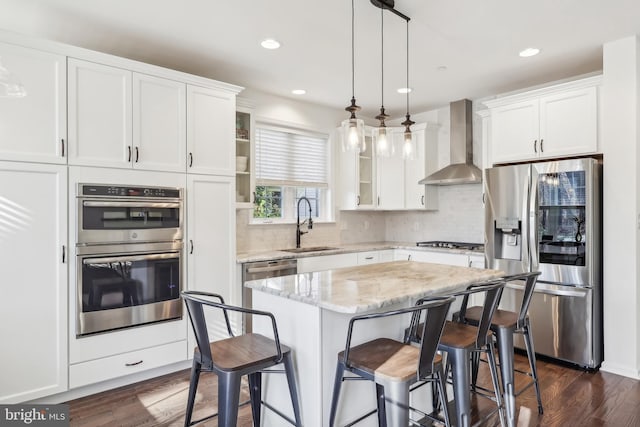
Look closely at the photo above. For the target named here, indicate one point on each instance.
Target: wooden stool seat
(459, 335)
(244, 351)
(501, 318)
(386, 359)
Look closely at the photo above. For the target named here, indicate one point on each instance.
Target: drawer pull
(133, 363)
(369, 257)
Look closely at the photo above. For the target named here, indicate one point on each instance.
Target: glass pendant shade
(383, 141)
(408, 146)
(353, 135)
(10, 86)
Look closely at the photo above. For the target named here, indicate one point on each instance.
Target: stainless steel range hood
(461, 170)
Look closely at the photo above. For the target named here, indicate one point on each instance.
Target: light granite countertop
(272, 255)
(370, 287)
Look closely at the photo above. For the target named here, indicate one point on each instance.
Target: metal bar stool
(462, 342)
(234, 357)
(504, 324)
(396, 366)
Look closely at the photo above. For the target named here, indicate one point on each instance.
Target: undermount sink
(311, 249)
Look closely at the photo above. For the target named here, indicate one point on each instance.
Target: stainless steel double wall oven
(129, 256)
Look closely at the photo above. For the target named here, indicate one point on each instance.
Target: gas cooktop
(452, 245)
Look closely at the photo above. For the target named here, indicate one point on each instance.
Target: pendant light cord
(382, 55)
(353, 62)
(408, 90)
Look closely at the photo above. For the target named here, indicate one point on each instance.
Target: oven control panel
(128, 191)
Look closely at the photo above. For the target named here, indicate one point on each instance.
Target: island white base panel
(316, 336)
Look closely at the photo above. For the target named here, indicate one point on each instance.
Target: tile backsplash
(460, 217)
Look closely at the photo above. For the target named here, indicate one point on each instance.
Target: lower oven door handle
(142, 257)
(138, 204)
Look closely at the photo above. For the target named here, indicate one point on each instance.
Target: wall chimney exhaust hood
(461, 170)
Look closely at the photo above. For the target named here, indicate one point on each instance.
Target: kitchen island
(313, 311)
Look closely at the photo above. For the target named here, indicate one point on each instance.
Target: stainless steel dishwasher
(263, 270)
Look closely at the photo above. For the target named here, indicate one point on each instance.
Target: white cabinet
(210, 241)
(210, 131)
(34, 128)
(122, 119)
(33, 307)
(418, 196)
(245, 155)
(159, 124)
(99, 103)
(553, 122)
(357, 182)
(390, 182)
(326, 262)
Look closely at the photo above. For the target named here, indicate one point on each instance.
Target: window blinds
(290, 159)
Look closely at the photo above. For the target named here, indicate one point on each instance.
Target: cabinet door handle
(358, 202)
(541, 146)
(64, 254)
(129, 151)
(422, 200)
(62, 144)
(483, 196)
(190, 246)
(378, 200)
(470, 263)
(535, 146)
(254, 197)
(368, 257)
(409, 257)
(137, 154)
(133, 363)
(190, 159)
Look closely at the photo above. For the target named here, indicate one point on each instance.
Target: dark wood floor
(570, 398)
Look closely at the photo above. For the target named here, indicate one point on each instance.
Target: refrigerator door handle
(553, 290)
(533, 223)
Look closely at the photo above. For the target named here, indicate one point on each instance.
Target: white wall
(620, 138)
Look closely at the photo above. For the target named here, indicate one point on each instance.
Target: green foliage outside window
(268, 202)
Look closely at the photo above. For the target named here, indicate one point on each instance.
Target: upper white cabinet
(210, 131)
(369, 182)
(558, 121)
(357, 184)
(390, 182)
(159, 124)
(99, 102)
(34, 128)
(118, 118)
(33, 232)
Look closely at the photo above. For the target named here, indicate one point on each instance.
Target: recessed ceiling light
(530, 51)
(298, 91)
(404, 90)
(270, 44)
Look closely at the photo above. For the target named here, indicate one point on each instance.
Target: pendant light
(409, 143)
(10, 86)
(382, 135)
(353, 128)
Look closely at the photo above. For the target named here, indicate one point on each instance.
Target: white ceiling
(477, 41)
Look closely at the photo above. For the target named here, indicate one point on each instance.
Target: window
(290, 165)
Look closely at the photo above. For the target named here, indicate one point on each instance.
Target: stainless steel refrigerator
(547, 217)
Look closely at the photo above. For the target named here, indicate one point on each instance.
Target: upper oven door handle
(138, 204)
(126, 258)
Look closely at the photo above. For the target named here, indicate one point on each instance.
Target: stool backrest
(493, 291)
(530, 280)
(435, 318)
(196, 301)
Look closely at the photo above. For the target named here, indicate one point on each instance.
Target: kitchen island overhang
(313, 310)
